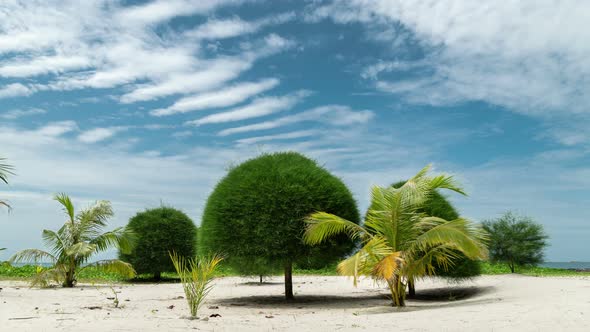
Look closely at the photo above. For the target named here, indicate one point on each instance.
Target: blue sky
(144, 102)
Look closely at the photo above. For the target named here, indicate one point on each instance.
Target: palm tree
(5, 171)
(399, 244)
(72, 246)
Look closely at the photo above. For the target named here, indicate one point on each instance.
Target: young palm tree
(398, 243)
(5, 171)
(76, 241)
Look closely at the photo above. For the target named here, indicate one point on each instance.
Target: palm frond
(388, 266)
(120, 237)
(53, 241)
(67, 204)
(196, 276)
(446, 182)
(43, 277)
(322, 225)
(362, 262)
(5, 203)
(31, 256)
(5, 170)
(81, 250)
(458, 233)
(114, 266)
(95, 216)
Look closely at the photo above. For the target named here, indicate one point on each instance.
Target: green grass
(536, 271)
(93, 275)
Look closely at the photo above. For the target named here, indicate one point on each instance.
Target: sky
(145, 103)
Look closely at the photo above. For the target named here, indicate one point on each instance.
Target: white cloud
(104, 44)
(222, 98)
(99, 134)
(18, 113)
(56, 129)
(228, 28)
(335, 115)
(257, 108)
(527, 56)
(14, 90)
(285, 136)
(43, 65)
(211, 74)
(162, 10)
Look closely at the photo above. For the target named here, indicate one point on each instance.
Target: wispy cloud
(259, 107)
(285, 136)
(228, 28)
(43, 65)
(56, 129)
(211, 75)
(19, 113)
(99, 134)
(526, 56)
(222, 98)
(14, 90)
(335, 115)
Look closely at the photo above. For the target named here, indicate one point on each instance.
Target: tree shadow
(306, 301)
(450, 294)
(373, 302)
(264, 283)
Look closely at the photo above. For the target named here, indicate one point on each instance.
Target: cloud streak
(257, 108)
(222, 98)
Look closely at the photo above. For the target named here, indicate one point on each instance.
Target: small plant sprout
(196, 276)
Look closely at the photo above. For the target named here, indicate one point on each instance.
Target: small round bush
(160, 231)
(255, 216)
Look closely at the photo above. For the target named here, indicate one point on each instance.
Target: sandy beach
(489, 303)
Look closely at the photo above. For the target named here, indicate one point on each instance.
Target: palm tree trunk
(398, 291)
(411, 289)
(70, 274)
(289, 281)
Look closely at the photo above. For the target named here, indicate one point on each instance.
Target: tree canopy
(255, 215)
(159, 232)
(516, 240)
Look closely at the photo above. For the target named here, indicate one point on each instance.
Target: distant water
(568, 265)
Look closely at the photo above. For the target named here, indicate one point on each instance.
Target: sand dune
(489, 303)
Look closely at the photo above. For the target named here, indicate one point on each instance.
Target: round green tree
(160, 231)
(255, 216)
(463, 268)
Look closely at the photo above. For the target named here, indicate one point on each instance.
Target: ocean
(567, 265)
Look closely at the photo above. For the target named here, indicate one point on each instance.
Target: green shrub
(515, 240)
(160, 231)
(255, 215)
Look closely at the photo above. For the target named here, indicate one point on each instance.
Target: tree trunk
(69, 281)
(289, 281)
(411, 289)
(158, 276)
(261, 279)
(398, 291)
(511, 265)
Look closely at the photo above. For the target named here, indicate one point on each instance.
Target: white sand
(490, 303)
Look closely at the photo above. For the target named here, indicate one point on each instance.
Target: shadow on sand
(370, 302)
